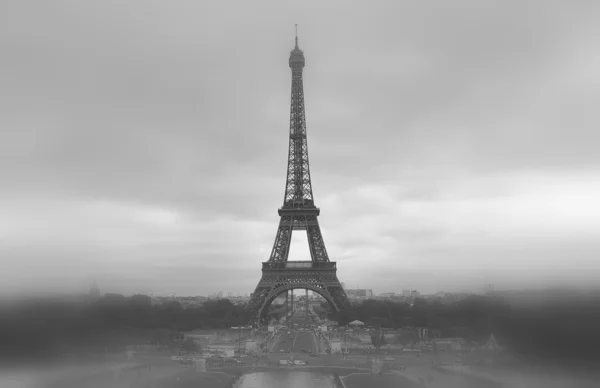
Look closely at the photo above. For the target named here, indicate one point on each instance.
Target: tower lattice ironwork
(298, 213)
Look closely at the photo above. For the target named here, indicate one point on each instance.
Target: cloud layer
(144, 144)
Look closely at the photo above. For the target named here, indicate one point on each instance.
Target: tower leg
(287, 306)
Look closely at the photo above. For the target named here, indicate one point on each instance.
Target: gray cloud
(183, 107)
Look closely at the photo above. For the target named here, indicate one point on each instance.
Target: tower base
(278, 278)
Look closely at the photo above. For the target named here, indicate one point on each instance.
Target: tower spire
(296, 35)
(296, 55)
(298, 191)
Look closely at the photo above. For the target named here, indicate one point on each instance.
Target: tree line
(565, 328)
(557, 329)
(42, 329)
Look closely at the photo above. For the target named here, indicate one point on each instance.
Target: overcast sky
(452, 143)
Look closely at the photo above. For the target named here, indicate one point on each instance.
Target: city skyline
(352, 292)
(448, 151)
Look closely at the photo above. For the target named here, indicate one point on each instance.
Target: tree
(377, 339)
(553, 329)
(345, 316)
(171, 306)
(140, 301)
(190, 345)
(113, 299)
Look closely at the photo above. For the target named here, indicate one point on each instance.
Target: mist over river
(286, 379)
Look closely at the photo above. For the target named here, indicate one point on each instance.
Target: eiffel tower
(297, 213)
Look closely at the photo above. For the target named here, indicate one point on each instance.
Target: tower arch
(276, 291)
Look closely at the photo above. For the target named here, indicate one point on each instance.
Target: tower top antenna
(295, 25)
(296, 55)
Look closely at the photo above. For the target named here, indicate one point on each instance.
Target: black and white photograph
(299, 194)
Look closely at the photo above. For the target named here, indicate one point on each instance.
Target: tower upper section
(298, 187)
(297, 57)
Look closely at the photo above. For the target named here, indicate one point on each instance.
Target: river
(285, 379)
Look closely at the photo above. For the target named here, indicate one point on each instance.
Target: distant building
(360, 293)
(94, 291)
(448, 298)
(415, 294)
(200, 337)
(406, 293)
(488, 288)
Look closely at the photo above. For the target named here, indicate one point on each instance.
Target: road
(299, 317)
(295, 342)
(388, 380)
